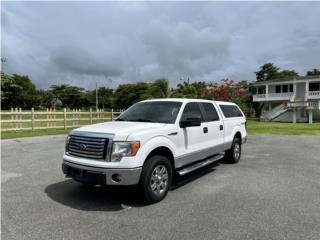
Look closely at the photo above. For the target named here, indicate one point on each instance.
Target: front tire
(233, 155)
(156, 178)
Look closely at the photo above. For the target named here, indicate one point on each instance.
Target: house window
(278, 88)
(284, 88)
(291, 87)
(261, 90)
(315, 86)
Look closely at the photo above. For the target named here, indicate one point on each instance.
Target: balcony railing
(280, 95)
(314, 94)
(273, 96)
(314, 105)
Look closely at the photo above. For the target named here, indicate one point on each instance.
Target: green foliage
(105, 97)
(313, 72)
(287, 74)
(187, 90)
(70, 96)
(18, 91)
(269, 71)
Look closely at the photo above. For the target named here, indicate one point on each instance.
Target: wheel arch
(238, 135)
(162, 151)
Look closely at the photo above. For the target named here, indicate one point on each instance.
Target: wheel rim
(237, 151)
(159, 180)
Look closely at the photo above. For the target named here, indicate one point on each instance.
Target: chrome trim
(201, 164)
(91, 144)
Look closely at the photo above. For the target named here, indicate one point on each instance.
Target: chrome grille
(87, 147)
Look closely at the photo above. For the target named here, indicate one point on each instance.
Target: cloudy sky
(82, 43)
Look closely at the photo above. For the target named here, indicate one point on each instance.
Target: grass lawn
(253, 127)
(29, 133)
(257, 127)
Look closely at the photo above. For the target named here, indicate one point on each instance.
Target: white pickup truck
(152, 140)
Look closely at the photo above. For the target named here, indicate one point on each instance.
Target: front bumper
(244, 139)
(101, 176)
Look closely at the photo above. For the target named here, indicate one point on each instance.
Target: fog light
(116, 177)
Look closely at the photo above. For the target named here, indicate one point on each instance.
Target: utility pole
(3, 61)
(96, 96)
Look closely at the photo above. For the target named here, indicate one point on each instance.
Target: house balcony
(301, 89)
(272, 97)
(288, 96)
(314, 95)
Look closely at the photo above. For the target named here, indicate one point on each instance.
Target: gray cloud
(87, 42)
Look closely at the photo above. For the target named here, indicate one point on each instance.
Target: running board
(201, 164)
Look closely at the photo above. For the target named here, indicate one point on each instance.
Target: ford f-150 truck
(153, 140)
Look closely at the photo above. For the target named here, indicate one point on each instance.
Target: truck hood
(121, 130)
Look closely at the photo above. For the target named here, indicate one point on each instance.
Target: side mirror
(190, 122)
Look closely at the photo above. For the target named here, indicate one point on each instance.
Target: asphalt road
(273, 193)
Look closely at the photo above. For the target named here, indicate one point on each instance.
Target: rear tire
(233, 155)
(156, 178)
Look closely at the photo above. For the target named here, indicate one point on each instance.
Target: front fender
(153, 143)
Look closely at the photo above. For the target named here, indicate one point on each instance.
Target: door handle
(205, 129)
(221, 127)
(173, 133)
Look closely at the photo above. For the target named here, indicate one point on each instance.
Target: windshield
(158, 112)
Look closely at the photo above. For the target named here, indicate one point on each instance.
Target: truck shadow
(110, 198)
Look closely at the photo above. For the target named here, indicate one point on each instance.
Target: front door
(191, 138)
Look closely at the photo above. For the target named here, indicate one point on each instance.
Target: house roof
(288, 80)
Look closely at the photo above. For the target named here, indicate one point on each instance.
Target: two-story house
(295, 100)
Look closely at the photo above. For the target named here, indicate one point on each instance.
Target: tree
(187, 90)
(287, 74)
(229, 90)
(18, 91)
(313, 72)
(105, 97)
(269, 71)
(266, 72)
(128, 94)
(70, 96)
(162, 85)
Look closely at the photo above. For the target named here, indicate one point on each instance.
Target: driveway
(273, 193)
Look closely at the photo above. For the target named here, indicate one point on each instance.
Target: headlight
(124, 149)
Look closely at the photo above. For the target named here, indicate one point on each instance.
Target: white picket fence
(18, 120)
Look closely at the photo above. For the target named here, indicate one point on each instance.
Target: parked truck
(152, 140)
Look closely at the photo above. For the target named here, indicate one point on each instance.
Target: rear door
(214, 137)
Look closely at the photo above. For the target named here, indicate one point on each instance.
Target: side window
(211, 113)
(231, 111)
(191, 110)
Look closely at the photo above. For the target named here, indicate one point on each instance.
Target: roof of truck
(187, 100)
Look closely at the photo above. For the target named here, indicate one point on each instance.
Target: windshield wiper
(120, 119)
(140, 120)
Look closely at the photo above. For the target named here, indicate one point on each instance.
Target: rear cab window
(210, 112)
(231, 111)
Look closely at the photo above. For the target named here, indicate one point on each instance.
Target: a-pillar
(310, 116)
(294, 115)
